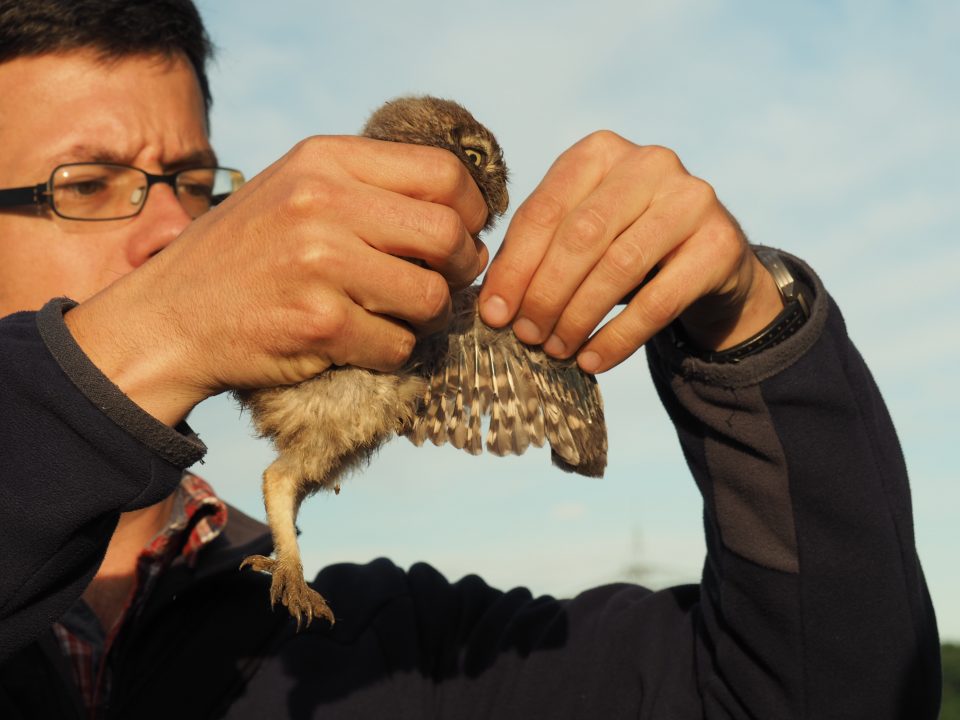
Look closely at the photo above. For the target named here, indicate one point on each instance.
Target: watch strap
(795, 312)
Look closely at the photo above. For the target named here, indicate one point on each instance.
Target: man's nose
(158, 224)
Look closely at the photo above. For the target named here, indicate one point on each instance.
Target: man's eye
(85, 188)
(196, 189)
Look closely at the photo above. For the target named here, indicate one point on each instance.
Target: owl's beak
(500, 203)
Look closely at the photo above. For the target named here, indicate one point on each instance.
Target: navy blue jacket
(812, 602)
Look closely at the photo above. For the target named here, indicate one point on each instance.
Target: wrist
(771, 319)
(716, 323)
(139, 359)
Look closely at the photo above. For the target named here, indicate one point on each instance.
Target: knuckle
(402, 348)
(625, 260)
(311, 256)
(729, 240)
(310, 145)
(307, 198)
(541, 210)
(445, 230)
(445, 169)
(539, 303)
(602, 139)
(701, 192)
(575, 325)
(328, 321)
(434, 296)
(586, 230)
(659, 306)
(302, 149)
(333, 144)
(730, 251)
(615, 341)
(664, 157)
(310, 148)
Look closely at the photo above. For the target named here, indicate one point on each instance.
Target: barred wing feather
(475, 371)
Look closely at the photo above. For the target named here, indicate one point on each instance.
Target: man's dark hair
(112, 28)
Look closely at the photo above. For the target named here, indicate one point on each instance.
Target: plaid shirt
(197, 518)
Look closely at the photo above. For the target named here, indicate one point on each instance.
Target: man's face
(145, 111)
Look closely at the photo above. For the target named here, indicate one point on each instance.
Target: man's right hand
(299, 270)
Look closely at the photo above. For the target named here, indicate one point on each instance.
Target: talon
(259, 563)
(290, 589)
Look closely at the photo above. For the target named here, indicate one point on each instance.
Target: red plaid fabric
(197, 518)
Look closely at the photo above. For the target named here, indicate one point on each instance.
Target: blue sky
(828, 129)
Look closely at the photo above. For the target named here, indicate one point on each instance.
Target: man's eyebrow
(90, 153)
(200, 158)
(87, 153)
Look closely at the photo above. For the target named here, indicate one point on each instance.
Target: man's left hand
(606, 215)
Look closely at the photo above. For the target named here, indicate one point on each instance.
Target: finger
(582, 239)
(566, 184)
(388, 285)
(684, 277)
(372, 341)
(417, 171)
(401, 226)
(627, 262)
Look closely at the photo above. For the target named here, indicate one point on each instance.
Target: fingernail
(589, 361)
(525, 329)
(495, 310)
(483, 256)
(555, 346)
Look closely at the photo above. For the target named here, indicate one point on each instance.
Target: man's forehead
(73, 107)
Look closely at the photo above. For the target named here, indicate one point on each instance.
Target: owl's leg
(283, 491)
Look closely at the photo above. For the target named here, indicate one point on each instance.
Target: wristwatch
(796, 310)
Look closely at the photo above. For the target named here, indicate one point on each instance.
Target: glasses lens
(96, 191)
(203, 188)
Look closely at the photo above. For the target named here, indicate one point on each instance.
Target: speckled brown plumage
(324, 427)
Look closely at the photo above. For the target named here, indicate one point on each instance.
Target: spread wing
(475, 371)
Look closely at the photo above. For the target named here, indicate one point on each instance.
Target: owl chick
(325, 426)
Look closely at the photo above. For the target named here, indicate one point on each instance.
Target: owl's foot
(289, 587)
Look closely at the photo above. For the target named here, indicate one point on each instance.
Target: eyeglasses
(104, 191)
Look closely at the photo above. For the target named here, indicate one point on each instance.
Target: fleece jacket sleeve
(813, 602)
(76, 453)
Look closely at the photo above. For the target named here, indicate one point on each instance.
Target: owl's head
(443, 123)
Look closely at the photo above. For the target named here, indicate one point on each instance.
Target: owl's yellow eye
(476, 156)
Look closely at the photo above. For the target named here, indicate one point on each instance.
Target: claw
(289, 588)
(259, 563)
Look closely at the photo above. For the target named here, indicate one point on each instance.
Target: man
(119, 595)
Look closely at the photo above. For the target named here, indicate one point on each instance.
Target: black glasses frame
(42, 193)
